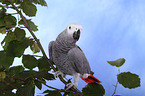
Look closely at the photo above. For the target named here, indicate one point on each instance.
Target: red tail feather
(91, 79)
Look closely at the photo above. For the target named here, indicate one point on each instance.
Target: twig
(12, 87)
(115, 88)
(116, 84)
(15, 78)
(41, 48)
(60, 90)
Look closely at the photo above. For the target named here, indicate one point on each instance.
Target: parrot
(69, 57)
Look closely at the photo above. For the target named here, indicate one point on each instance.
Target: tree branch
(12, 87)
(41, 48)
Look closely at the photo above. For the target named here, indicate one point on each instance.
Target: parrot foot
(69, 85)
(57, 73)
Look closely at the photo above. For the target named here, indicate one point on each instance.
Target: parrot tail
(91, 79)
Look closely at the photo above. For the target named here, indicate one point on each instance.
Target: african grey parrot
(68, 57)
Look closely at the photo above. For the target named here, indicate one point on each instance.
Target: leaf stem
(116, 84)
(41, 48)
(115, 88)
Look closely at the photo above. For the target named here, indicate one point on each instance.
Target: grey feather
(78, 60)
(50, 50)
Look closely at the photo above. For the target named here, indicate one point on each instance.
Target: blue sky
(112, 29)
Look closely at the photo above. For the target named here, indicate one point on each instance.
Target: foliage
(14, 44)
(127, 79)
(93, 89)
(119, 62)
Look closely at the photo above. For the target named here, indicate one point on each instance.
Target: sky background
(112, 29)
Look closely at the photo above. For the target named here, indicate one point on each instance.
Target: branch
(115, 88)
(15, 78)
(41, 48)
(60, 90)
(116, 84)
(12, 87)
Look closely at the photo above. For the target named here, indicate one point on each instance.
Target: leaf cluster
(91, 89)
(127, 79)
(14, 45)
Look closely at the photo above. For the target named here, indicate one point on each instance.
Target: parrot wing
(78, 60)
(50, 50)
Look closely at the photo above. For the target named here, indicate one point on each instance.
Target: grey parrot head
(74, 31)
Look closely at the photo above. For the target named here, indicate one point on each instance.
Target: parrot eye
(69, 27)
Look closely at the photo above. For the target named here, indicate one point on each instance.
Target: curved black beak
(76, 35)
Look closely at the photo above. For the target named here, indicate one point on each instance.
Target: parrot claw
(57, 73)
(69, 85)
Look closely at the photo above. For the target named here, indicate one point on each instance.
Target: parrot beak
(76, 35)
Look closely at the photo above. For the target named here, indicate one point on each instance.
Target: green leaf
(29, 61)
(48, 76)
(2, 25)
(29, 8)
(27, 90)
(2, 12)
(41, 2)
(5, 61)
(119, 62)
(4, 87)
(16, 48)
(38, 84)
(7, 93)
(7, 21)
(27, 42)
(5, 90)
(9, 37)
(19, 34)
(35, 48)
(2, 76)
(10, 21)
(16, 1)
(15, 70)
(44, 75)
(2, 68)
(52, 93)
(93, 89)
(43, 65)
(30, 23)
(24, 75)
(129, 80)
(3, 30)
(5, 2)
(73, 94)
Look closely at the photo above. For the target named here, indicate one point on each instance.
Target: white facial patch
(71, 28)
(85, 75)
